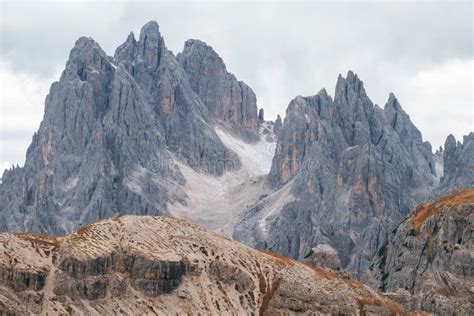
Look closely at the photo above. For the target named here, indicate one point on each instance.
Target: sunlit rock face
(139, 264)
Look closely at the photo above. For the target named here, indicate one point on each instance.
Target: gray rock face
(261, 116)
(430, 256)
(182, 114)
(278, 124)
(354, 171)
(228, 100)
(105, 145)
(458, 159)
(324, 256)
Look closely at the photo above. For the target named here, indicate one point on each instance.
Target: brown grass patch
(279, 259)
(81, 233)
(427, 210)
(355, 284)
(116, 218)
(326, 274)
(39, 239)
(391, 306)
(84, 229)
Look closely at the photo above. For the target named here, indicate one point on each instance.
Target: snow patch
(256, 158)
(439, 167)
(70, 183)
(134, 182)
(217, 202)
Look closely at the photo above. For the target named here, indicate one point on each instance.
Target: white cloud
(22, 98)
(439, 100)
(281, 50)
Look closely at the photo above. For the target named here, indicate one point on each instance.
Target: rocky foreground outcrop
(159, 265)
(428, 264)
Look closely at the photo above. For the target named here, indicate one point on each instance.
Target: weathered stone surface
(227, 99)
(458, 167)
(430, 258)
(353, 171)
(129, 263)
(261, 116)
(183, 115)
(111, 133)
(278, 125)
(324, 256)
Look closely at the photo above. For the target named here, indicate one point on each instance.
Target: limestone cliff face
(353, 170)
(182, 114)
(112, 130)
(228, 100)
(428, 263)
(145, 264)
(458, 164)
(97, 137)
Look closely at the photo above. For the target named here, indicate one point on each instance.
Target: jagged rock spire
(261, 116)
(278, 124)
(349, 167)
(458, 160)
(228, 100)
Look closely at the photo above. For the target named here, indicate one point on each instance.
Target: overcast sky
(422, 52)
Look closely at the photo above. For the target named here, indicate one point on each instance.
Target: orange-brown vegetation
(418, 313)
(80, 234)
(40, 239)
(116, 218)
(279, 259)
(326, 274)
(427, 210)
(392, 307)
(354, 284)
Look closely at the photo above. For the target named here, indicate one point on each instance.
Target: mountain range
(149, 133)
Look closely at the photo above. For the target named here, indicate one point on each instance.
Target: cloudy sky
(421, 51)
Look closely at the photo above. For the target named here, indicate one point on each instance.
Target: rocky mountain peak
(392, 103)
(458, 160)
(261, 116)
(150, 44)
(88, 59)
(83, 46)
(205, 52)
(450, 143)
(128, 50)
(278, 124)
(109, 131)
(349, 89)
(229, 101)
(349, 167)
(146, 52)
